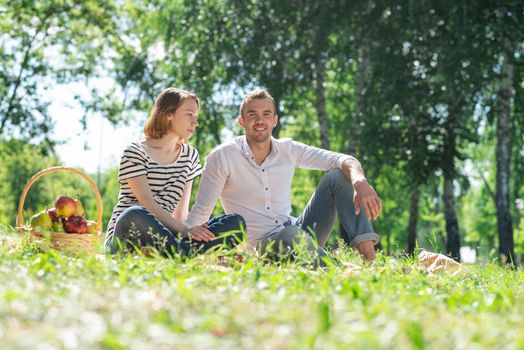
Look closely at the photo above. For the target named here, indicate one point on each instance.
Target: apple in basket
(41, 221)
(92, 226)
(65, 206)
(75, 224)
(52, 213)
(58, 226)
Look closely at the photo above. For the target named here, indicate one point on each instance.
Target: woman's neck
(165, 143)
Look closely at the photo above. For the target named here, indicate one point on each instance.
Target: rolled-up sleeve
(212, 182)
(309, 157)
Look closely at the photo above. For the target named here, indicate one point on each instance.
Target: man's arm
(212, 182)
(309, 157)
(364, 195)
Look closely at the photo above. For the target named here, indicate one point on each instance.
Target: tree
(44, 43)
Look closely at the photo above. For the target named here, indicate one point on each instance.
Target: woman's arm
(182, 208)
(143, 193)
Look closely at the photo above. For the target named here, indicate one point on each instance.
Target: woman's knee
(133, 213)
(129, 218)
(235, 220)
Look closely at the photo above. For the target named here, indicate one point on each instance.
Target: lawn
(51, 300)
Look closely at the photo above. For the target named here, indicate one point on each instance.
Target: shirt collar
(246, 150)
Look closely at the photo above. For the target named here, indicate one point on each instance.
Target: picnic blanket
(436, 263)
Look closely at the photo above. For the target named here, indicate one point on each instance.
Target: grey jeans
(333, 195)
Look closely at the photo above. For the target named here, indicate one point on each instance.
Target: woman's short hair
(166, 104)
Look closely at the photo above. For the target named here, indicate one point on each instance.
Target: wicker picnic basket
(69, 242)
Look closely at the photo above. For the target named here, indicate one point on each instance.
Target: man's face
(258, 119)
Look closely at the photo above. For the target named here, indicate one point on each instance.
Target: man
(252, 175)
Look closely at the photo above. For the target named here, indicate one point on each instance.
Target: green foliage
(20, 161)
(43, 43)
(23, 160)
(410, 87)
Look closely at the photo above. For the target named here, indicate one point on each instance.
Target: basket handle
(35, 177)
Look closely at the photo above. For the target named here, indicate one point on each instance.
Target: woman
(156, 176)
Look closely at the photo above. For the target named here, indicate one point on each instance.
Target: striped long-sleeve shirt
(166, 181)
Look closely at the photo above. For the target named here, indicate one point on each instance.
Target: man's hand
(366, 197)
(200, 233)
(363, 195)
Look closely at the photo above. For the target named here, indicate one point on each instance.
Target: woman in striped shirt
(156, 176)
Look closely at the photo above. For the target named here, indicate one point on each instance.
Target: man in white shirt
(252, 176)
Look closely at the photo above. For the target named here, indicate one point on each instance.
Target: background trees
(427, 95)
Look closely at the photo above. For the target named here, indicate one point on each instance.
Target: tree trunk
(448, 168)
(413, 218)
(503, 154)
(363, 74)
(320, 93)
(453, 241)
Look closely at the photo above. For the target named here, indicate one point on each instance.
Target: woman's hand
(200, 233)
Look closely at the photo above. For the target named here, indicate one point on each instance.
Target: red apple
(52, 213)
(75, 224)
(65, 206)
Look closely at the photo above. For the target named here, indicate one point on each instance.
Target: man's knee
(289, 234)
(337, 181)
(336, 175)
(282, 243)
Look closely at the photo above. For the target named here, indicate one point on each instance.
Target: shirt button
(267, 208)
(267, 188)
(263, 170)
(276, 222)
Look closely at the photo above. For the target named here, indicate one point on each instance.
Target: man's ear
(275, 121)
(240, 121)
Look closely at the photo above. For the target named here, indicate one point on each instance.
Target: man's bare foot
(367, 250)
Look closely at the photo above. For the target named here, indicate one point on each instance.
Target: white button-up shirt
(261, 194)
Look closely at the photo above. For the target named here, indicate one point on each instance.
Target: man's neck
(260, 149)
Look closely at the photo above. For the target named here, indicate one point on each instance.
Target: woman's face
(185, 120)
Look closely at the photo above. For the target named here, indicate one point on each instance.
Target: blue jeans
(333, 195)
(137, 227)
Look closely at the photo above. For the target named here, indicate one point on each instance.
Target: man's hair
(257, 94)
(166, 104)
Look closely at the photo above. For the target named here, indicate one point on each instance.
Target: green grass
(51, 300)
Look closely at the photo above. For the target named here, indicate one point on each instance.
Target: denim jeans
(333, 195)
(137, 227)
